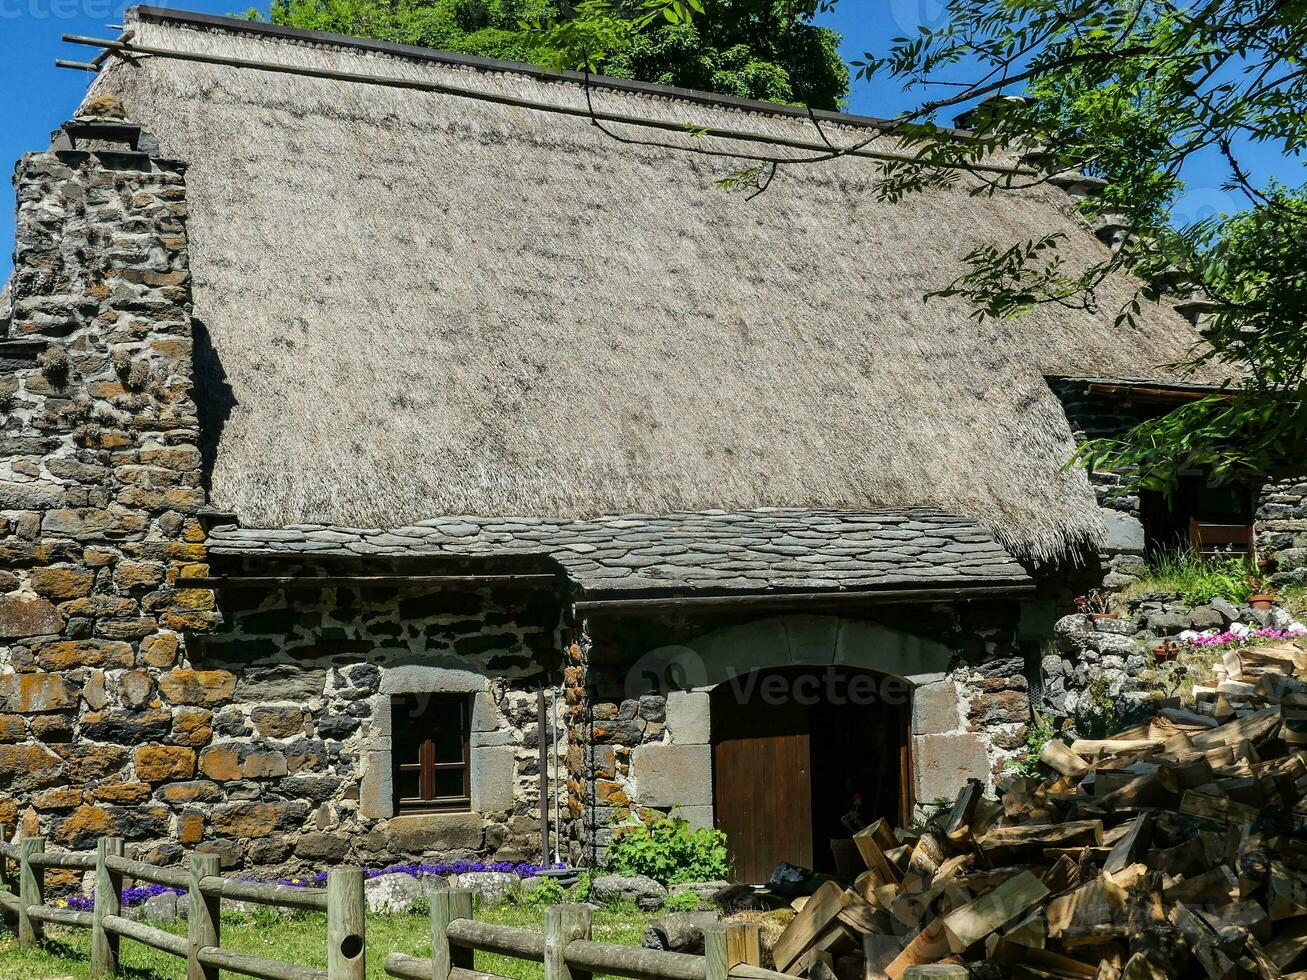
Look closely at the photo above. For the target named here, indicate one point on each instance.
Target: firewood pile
(1174, 849)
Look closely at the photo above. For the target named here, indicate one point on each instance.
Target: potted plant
(1098, 604)
(1262, 600)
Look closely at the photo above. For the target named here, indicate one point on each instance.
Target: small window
(430, 736)
(1212, 520)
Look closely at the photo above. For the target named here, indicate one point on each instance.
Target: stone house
(395, 462)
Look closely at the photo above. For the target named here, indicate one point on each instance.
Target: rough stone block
(377, 795)
(493, 775)
(689, 717)
(1125, 533)
(421, 679)
(27, 693)
(437, 832)
(486, 716)
(672, 775)
(196, 687)
(944, 762)
(284, 682)
(935, 709)
(164, 763)
(698, 816)
(27, 616)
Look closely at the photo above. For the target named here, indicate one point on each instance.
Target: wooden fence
(343, 901)
(731, 951)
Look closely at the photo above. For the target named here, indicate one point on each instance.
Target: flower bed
(1239, 635)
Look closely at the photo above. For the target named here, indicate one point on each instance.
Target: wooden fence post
(564, 923)
(108, 901)
(743, 944)
(346, 925)
(31, 889)
(714, 952)
(203, 917)
(6, 878)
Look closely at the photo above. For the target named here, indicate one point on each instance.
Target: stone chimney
(100, 492)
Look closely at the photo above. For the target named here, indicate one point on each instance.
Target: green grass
(1198, 579)
(299, 939)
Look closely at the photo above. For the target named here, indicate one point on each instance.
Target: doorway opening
(803, 756)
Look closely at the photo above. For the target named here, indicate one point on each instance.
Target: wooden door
(762, 776)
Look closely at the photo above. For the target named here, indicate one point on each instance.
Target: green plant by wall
(1096, 715)
(670, 852)
(547, 892)
(1199, 580)
(1027, 763)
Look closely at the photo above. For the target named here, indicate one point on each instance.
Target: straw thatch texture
(422, 304)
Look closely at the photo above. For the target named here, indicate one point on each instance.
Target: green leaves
(669, 852)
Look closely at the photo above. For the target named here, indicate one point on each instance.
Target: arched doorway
(798, 748)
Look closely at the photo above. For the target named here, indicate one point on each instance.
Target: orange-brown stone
(27, 693)
(86, 822)
(220, 763)
(245, 820)
(70, 654)
(25, 767)
(130, 575)
(190, 828)
(192, 726)
(164, 763)
(65, 798)
(127, 793)
(198, 791)
(197, 687)
(12, 728)
(159, 650)
(62, 582)
(91, 763)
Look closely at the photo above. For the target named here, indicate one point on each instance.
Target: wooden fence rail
(731, 951)
(565, 949)
(201, 947)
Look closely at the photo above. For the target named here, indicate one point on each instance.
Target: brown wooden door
(762, 775)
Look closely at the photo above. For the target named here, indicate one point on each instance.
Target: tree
(758, 49)
(1128, 91)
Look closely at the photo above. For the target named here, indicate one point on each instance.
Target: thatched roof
(421, 304)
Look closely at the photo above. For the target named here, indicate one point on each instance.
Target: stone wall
(100, 495)
(1282, 530)
(299, 769)
(641, 728)
(1280, 514)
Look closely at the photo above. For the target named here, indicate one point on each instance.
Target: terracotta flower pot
(1261, 601)
(1098, 616)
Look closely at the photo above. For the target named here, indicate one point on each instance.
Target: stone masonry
(100, 497)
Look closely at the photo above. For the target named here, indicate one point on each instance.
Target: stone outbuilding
(396, 463)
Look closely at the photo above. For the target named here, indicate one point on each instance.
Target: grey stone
(437, 832)
(1072, 632)
(422, 679)
(680, 932)
(491, 887)
(283, 682)
(391, 893)
(689, 717)
(1226, 609)
(494, 772)
(672, 775)
(643, 891)
(943, 763)
(1125, 532)
(1205, 618)
(1166, 623)
(1106, 644)
(935, 708)
(160, 908)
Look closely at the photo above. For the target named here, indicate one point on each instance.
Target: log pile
(1175, 849)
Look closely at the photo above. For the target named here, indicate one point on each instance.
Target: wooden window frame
(405, 760)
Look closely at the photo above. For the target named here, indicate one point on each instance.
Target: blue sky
(36, 97)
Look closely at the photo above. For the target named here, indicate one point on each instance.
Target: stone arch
(678, 771)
